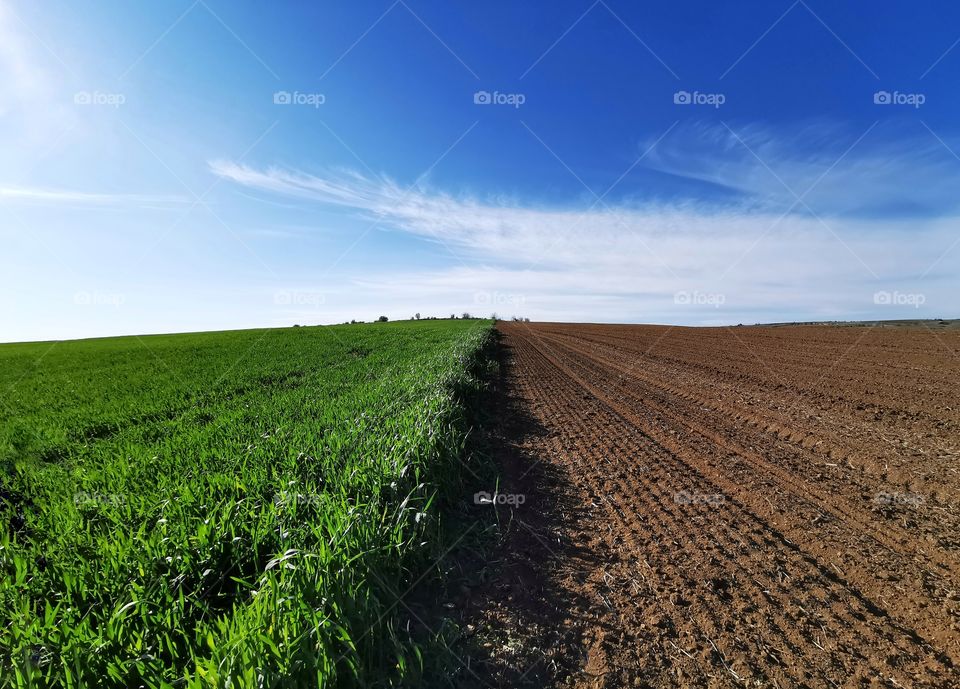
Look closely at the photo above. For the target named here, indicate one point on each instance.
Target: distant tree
(453, 316)
(417, 315)
(466, 316)
(353, 321)
(382, 319)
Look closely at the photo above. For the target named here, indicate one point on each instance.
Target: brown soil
(762, 507)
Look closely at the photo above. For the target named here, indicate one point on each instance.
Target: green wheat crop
(225, 509)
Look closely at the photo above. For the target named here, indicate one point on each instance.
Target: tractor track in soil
(772, 507)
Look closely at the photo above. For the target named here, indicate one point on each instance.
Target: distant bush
(382, 319)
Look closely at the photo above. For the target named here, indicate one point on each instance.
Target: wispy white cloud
(669, 262)
(835, 169)
(39, 196)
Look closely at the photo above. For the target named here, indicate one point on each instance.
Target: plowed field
(771, 507)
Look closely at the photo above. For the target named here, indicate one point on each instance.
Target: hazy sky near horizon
(200, 165)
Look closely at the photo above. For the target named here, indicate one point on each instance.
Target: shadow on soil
(503, 617)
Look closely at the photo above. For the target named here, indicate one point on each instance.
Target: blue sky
(203, 165)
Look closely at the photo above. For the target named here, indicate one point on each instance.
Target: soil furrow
(697, 549)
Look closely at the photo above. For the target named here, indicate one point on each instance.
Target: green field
(226, 509)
